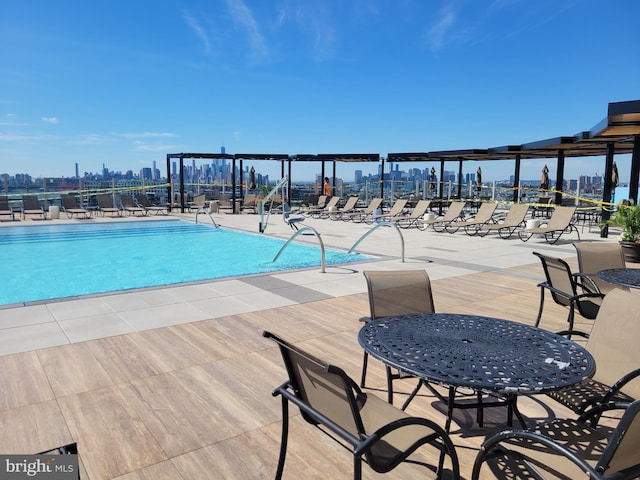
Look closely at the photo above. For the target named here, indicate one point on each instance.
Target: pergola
(617, 133)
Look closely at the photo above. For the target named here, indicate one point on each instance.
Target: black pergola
(617, 133)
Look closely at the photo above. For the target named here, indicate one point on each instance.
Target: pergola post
(559, 178)
(635, 170)
(516, 180)
(606, 192)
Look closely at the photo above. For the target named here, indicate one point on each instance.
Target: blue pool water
(45, 262)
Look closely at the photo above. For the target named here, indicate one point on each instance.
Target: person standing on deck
(327, 189)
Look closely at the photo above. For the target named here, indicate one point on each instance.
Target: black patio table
(489, 355)
(625, 277)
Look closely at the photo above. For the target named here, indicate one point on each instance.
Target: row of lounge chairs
(453, 219)
(139, 204)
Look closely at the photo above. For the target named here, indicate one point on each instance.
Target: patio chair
(288, 219)
(106, 205)
(572, 290)
(199, 202)
(129, 207)
(596, 256)
(317, 212)
(482, 218)
(613, 343)
(561, 222)
(5, 209)
(439, 224)
(250, 202)
(145, 203)
(415, 216)
(507, 227)
(348, 207)
(395, 292)
(31, 206)
(396, 211)
(320, 204)
(566, 449)
(376, 432)
(70, 206)
(361, 215)
(224, 202)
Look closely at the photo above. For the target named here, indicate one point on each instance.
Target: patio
(185, 392)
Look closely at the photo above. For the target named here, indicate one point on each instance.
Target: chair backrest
(68, 201)
(322, 201)
(613, 340)
(398, 292)
(349, 204)
(454, 211)
(420, 208)
(105, 200)
(622, 450)
(559, 276)
(30, 202)
(561, 218)
(596, 256)
(225, 200)
(249, 200)
(4, 202)
(127, 201)
(143, 200)
(374, 205)
(516, 214)
(485, 212)
(325, 388)
(398, 207)
(199, 200)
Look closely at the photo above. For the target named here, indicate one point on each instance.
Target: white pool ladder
(315, 232)
(375, 227)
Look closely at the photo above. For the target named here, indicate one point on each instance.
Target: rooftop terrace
(175, 382)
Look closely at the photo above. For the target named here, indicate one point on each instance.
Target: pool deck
(443, 255)
(175, 382)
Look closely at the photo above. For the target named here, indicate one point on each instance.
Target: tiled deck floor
(175, 382)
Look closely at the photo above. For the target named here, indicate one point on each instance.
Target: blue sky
(126, 82)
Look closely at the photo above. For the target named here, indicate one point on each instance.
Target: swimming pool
(54, 261)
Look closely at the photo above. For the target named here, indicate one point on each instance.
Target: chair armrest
(364, 319)
(495, 443)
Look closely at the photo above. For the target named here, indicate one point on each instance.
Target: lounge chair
(374, 431)
(70, 206)
(417, 214)
(565, 448)
(106, 205)
(250, 202)
(224, 202)
(348, 207)
(129, 207)
(561, 222)
(320, 204)
(482, 218)
(596, 256)
(571, 290)
(506, 227)
(5, 209)
(199, 202)
(323, 212)
(361, 215)
(613, 343)
(439, 224)
(31, 206)
(396, 211)
(288, 219)
(144, 202)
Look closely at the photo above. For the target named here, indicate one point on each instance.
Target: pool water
(46, 262)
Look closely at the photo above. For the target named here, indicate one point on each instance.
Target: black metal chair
(375, 431)
(566, 449)
(572, 290)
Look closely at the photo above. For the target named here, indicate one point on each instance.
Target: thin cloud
(146, 135)
(50, 120)
(440, 29)
(200, 32)
(244, 20)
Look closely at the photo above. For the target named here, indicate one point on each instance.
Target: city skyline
(297, 76)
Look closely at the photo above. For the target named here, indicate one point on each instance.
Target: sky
(123, 83)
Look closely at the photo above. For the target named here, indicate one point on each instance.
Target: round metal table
(625, 277)
(482, 353)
